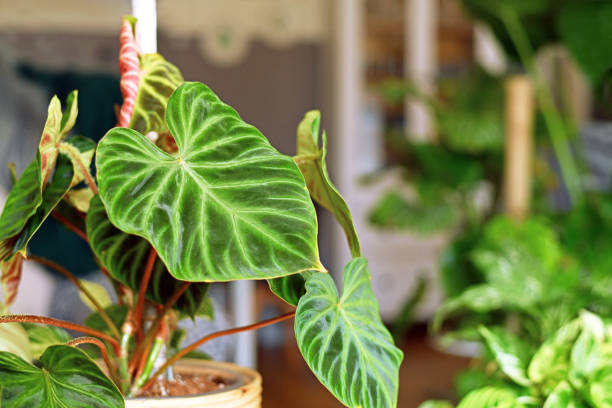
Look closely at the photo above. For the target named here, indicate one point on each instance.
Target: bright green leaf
(158, 79)
(436, 404)
(344, 341)
(227, 206)
(290, 288)
(42, 336)
(125, 257)
(490, 397)
(311, 161)
(509, 351)
(563, 396)
(600, 389)
(66, 377)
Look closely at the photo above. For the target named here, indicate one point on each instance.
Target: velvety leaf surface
(42, 336)
(226, 206)
(125, 257)
(344, 341)
(490, 397)
(66, 378)
(22, 202)
(158, 79)
(509, 351)
(311, 161)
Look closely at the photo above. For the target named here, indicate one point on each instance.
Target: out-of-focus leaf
(550, 364)
(491, 397)
(563, 396)
(510, 352)
(344, 341)
(14, 339)
(394, 211)
(457, 271)
(588, 353)
(585, 29)
(98, 292)
(472, 379)
(312, 163)
(405, 318)
(600, 387)
(117, 314)
(477, 298)
(436, 404)
(65, 377)
(42, 336)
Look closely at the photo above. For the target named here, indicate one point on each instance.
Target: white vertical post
(349, 78)
(243, 305)
(420, 62)
(146, 13)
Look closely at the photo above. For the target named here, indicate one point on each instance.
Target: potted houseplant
(185, 194)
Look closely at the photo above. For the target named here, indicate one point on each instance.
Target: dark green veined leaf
(290, 288)
(22, 202)
(80, 150)
(227, 206)
(41, 336)
(344, 341)
(125, 257)
(600, 388)
(311, 161)
(550, 364)
(158, 79)
(66, 378)
(510, 352)
(53, 193)
(585, 29)
(563, 396)
(490, 397)
(117, 314)
(14, 339)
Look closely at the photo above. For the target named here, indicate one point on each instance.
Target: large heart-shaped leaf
(311, 161)
(344, 341)
(226, 206)
(125, 257)
(66, 377)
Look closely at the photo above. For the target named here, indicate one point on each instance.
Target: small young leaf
(41, 336)
(11, 276)
(14, 339)
(344, 341)
(98, 292)
(66, 378)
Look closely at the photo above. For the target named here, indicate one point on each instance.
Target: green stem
(553, 120)
(124, 373)
(148, 368)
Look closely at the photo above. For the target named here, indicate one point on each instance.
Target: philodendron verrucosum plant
(185, 194)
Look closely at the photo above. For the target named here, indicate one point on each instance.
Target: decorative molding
(224, 29)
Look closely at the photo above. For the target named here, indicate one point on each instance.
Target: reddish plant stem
(102, 347)
(142, 292)
(69, 225)
(60, 323)
(160, 335)
(212, 336)
(150, 336)
(59, 268)
(86, 175)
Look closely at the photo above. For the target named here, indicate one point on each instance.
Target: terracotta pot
(245, 391)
